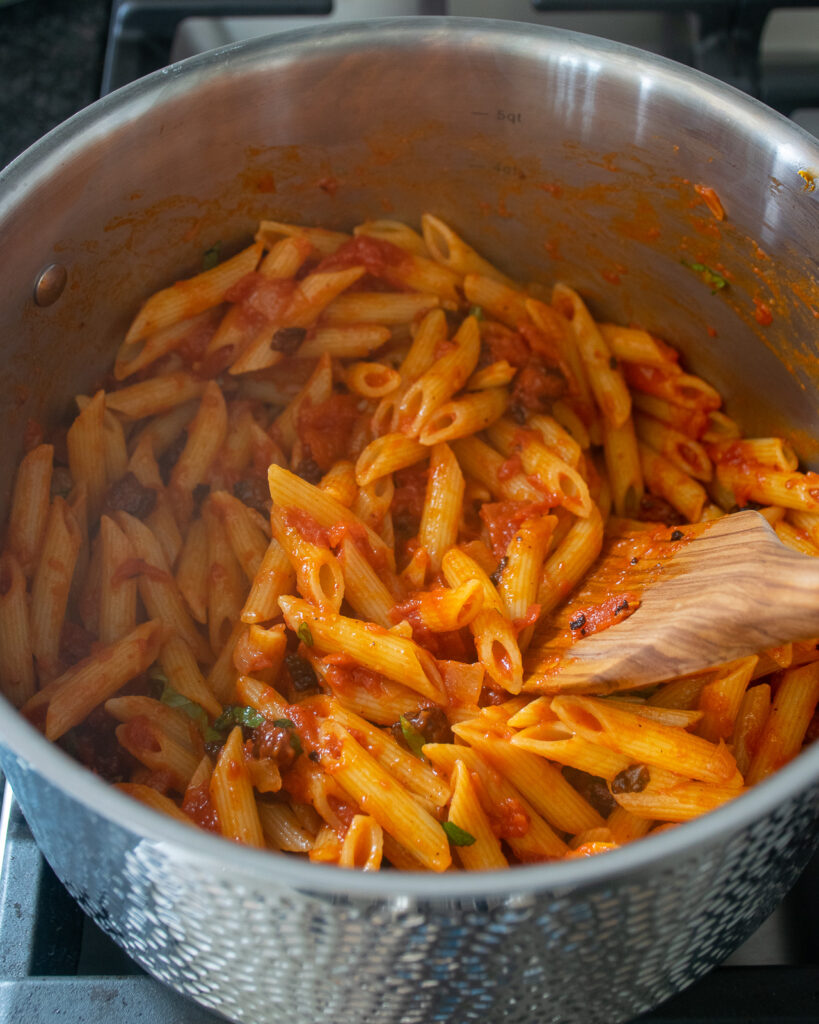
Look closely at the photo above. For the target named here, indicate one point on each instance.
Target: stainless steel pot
(559, 156)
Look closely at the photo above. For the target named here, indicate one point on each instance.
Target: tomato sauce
(200, 808)
(325, 429)
(305, 525)
(597, 617)
(503, 519)
(508, 819)
(357, 534)
(379, 257)
(504, 343)
(131, 567)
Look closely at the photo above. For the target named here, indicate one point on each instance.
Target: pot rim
(35, 754)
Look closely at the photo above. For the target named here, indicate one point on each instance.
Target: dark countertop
(51, 55)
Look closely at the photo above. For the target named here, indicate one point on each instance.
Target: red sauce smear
(138, 567)
(508, 819)
(763, 314)
(357, 534)
(325, 429)
(305, 525)
(200, 808)
(504, 343)
(379, 257)
(597, 617)
(410, 491)
(503, 518)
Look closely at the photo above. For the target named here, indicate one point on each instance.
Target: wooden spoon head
(730, 590)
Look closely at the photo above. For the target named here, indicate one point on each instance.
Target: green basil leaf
(174, 699)
(711, 277)
(304, 634)
(211, 256)
(457, 836)
(477, 312)
(284, 723)
(237, 714)
(415, 740)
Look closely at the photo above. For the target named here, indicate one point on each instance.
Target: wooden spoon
(732, 591)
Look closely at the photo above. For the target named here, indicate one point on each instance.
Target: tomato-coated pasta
(303, 570)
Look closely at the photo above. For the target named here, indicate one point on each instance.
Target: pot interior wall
(554, 159)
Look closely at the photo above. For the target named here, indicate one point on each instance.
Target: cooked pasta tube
(446, 376)
(394, 231)
(72, 696)
(479, 849)
(768, 486)
(51, 584)
(560, 483)
(540, 782)
(362, 845)
(518, 823)
(16, 652)
(486, 465)
(381, 308)
(87, 450)
(447, 246)
(30, 503)
(443, 502)
(495, 639)
(386, 454)
(427, 787)
(663, 478)
(721, 697)
(686, 453)
(606, 380)
(157, 587)
(570, 561)
(206, 436)
(646, 741)
(573, 751)
(319, 576)
(157, 395)
(684, 801)
(378, 793)
(289, 490)
(520, 576)
(754, 709)
(443, 610)
(118, 591)
(464, 416)
(623, 467)
(370, 645)
(232, 793)
(152, 798)
(500, 301)
(194, 295)
(792, 708)
(632, 345)
(372, 380)
(496, 375)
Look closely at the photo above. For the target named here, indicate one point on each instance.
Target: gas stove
(55, 963)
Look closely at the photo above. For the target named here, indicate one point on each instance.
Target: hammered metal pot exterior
(556, 155)
(263, 951)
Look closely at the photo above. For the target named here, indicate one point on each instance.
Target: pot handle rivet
(50, 284)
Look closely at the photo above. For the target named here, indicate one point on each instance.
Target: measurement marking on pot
(509, 170)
